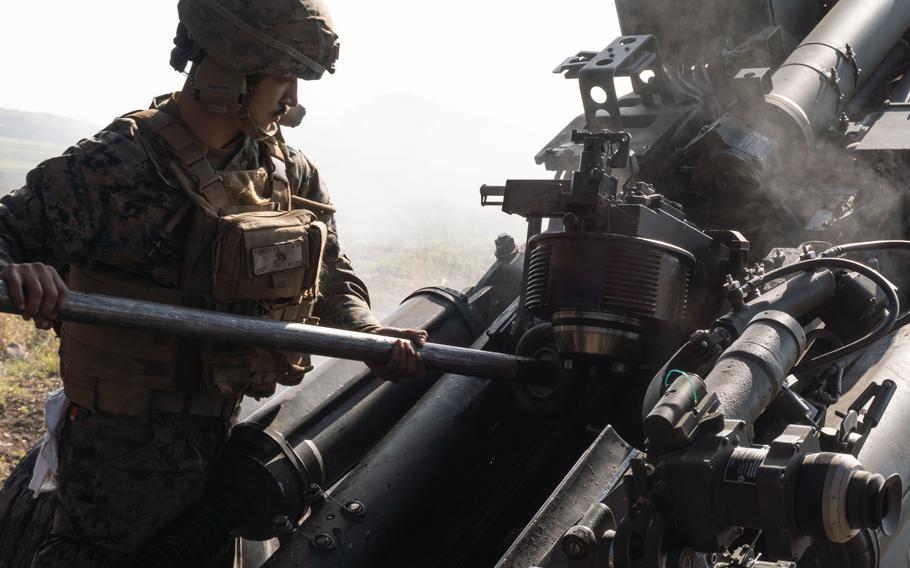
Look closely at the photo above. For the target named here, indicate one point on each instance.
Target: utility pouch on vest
(265, 263)
(266, 255)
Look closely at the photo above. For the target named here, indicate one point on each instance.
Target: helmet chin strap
(248, 125)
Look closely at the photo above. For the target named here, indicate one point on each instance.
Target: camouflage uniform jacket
(105, 198)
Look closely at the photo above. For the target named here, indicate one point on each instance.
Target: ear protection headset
(220, 91)
(224, 92)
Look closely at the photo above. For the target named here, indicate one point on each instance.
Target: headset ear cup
(220, 91)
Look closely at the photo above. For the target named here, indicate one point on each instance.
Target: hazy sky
(94, 59)
(478, 74)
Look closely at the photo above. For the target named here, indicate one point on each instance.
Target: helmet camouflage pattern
(249, 37)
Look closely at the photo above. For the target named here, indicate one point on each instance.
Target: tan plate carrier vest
(265, 261)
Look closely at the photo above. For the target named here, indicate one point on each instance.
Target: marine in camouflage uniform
(105, 198)
(102, 202)
(108, 202)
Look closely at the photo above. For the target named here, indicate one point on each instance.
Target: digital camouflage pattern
(103, 201)
(304, 26)
(123, 478)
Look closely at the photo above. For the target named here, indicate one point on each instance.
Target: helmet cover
(249, 37)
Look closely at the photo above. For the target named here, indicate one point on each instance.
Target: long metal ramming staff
(282, 336)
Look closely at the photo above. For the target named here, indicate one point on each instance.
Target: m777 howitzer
(751, 124)
(735, 468)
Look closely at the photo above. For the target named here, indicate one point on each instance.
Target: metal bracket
(456, 299)
(832, 77)
(573, 65)
(858, 421)
(847, 54)
(307, 477)
(627, 56)
(831, 74)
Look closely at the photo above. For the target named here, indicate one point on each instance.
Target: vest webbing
(131, 372)
(194, 173)
(124, 371)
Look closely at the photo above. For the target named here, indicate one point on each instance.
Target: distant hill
(27, 138)
(396, 165)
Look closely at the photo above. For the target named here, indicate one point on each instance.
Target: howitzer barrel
(822, 74)
(204, 324)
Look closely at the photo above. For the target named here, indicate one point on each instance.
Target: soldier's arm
(43, 226)
(344, 301)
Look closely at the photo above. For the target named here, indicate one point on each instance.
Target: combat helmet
(229, 41)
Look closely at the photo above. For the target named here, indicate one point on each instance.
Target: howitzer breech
(282, 336)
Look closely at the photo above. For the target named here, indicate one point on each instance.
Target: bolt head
(323, 542)
(574, 544)
(354, 508)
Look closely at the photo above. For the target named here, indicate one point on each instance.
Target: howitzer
(756, 130)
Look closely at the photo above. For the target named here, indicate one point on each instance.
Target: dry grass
(28, 373)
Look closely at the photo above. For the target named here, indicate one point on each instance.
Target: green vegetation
(28, 373)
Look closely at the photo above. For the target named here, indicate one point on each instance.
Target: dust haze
(429, 102)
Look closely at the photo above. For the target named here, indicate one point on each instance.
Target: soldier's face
(271, 98)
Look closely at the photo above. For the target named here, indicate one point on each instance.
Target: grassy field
(28, 373)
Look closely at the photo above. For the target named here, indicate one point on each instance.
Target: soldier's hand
(404, 361)
(37, 290)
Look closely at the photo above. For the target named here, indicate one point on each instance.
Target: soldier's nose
(290, 94)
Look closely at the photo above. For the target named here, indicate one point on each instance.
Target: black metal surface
(594, 476)
(799, 297)
(608, 273)
(391, 480)
(717, 18)
(204, 324)
(329, 392)
(869, 97)
(273, 469)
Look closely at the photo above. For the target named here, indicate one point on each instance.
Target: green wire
(688, 378)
